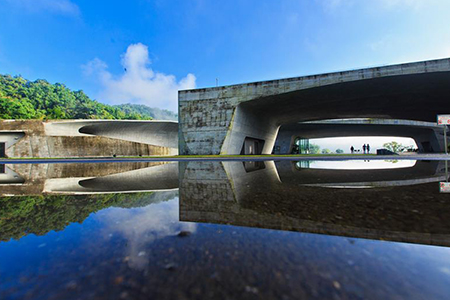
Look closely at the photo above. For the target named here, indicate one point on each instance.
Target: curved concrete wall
(157, 133)
(90, 138)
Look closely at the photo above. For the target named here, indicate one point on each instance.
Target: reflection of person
(364, 148)
(352, 149)
(368, 148)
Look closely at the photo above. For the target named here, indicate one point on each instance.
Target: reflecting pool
(225, 230)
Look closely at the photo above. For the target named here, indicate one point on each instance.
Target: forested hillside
(155, 113)
(23, 99)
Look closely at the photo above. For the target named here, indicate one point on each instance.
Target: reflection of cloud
(141, 226)
(64, 7)
(139, 83)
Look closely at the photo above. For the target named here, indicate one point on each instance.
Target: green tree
(339, 151)
(394, 146)
(314, 149)
(326, 151)
(23, 99)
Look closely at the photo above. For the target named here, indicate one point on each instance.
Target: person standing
(364, 148)
(352, 149)
(368, 148)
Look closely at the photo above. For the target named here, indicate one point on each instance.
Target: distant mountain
(146, 111)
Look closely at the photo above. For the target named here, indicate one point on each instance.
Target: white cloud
(139, 83)
(64, 7)
(333, 5)
(383, 43)
(414, 4)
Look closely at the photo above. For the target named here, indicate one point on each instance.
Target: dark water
(231, 230)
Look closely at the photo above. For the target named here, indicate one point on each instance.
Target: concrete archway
(428, 136)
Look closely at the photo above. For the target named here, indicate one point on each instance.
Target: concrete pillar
(246, 124)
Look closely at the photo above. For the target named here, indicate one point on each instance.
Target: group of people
(365, 148)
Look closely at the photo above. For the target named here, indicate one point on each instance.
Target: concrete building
(245, 118)
(87, 138)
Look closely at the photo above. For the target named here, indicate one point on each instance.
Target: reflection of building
(76, 179)
(392, 204)
(56, 195)
(87, 138)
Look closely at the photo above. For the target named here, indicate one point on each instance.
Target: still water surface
(249, 230)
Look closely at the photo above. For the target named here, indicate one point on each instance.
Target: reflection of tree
(23, 215)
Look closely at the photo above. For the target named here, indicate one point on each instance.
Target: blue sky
(167, 45)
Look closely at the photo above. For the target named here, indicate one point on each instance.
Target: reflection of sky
(362, 165)
(142, 226)
(375, 142)
(118, 249)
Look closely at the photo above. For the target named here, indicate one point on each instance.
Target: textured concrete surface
(37, 138)
(10, 138)
(157, 133)
(217, 120)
